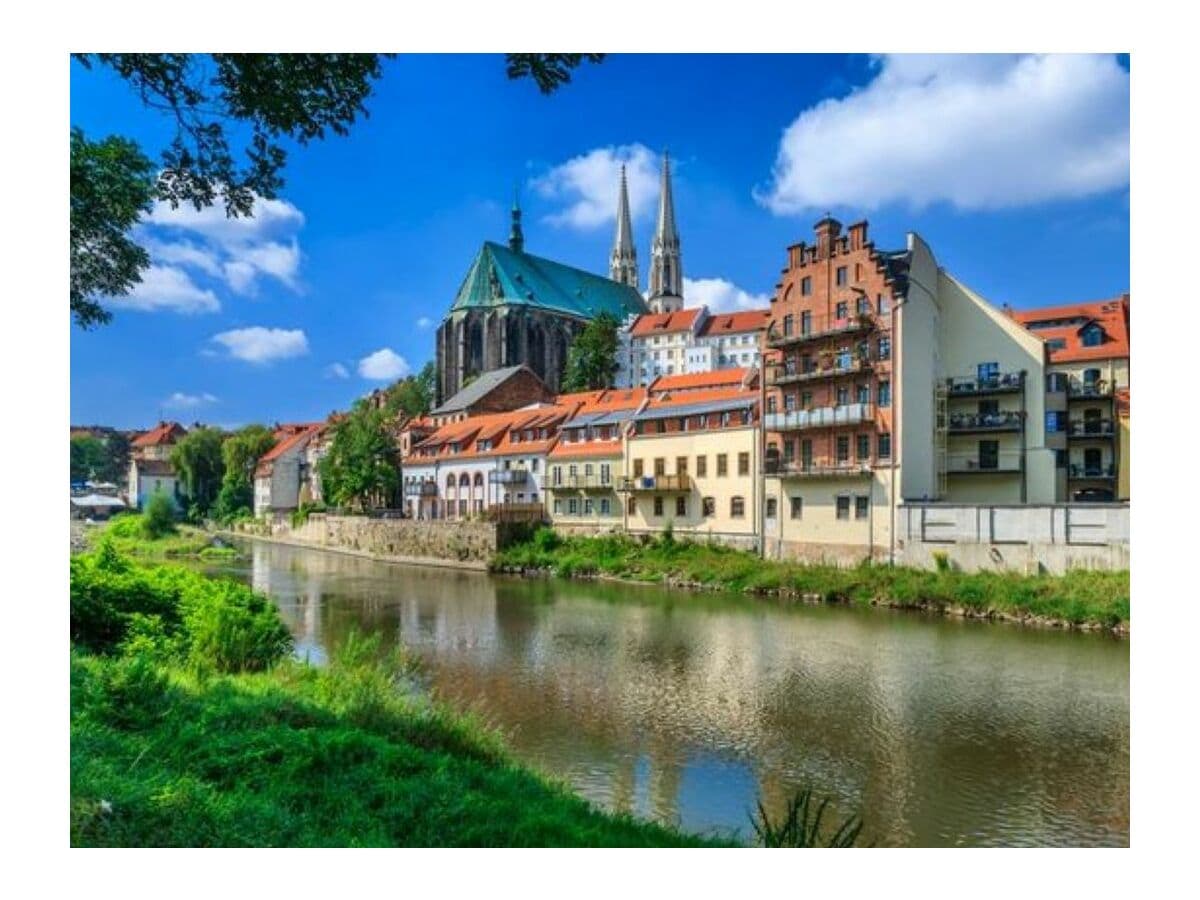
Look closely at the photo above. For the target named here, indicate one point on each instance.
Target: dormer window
(1092, 336)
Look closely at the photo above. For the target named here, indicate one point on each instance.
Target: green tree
(240, 454)
(413, 396)
(88, 457)
(116, 464)
(198, 461)
(592, 357)
(233, 114)
(361, 466)
(159, 518)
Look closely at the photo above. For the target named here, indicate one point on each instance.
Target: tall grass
(800, 825)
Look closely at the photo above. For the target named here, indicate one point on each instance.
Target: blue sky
(1015, 170)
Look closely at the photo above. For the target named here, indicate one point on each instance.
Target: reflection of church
(514, 308)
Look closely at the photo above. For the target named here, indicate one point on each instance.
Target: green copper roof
(499, 276)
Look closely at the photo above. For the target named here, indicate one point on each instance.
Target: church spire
(516, 238)
(622, 262)
(666, 264)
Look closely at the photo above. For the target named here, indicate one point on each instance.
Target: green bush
(159, 518)
(546, 540)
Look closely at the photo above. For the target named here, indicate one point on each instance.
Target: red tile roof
(162, 433)
(1068, 323)
(610, 447)
(687, 398)
(291, 440)
(735, 323)
(664, 323)
(695, 380)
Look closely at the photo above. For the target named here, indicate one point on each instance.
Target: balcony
(585, 483)
(1089, 390)
(820, 329)
(1091, 429)
(822, 417)
(1096, 473)
(960, 423)
(815, 468)
(1007, 383)
(420, 489)
(831, 369)
(1004, 463)
(509, 476)
(661, 483)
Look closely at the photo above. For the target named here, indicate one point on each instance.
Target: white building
(687, 342)
(284, 469)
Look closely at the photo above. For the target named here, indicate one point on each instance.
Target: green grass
(127, 533)
(1081, 597)
(191, 727)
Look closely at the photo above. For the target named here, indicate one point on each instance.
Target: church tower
(516, 238)
(666, 266)
(622, 263)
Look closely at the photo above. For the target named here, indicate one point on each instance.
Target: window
(862, 505)
(637, 468)
(631, 506)
(1056, 382)
(862, 394)
(841, 278)
(843, 396)
(660, 466)
(789, 402)
(787, 326)
(587, 469)
(558, 507)
(806, 321)
(573, 506)
(806, 286)
(862, 450)
(737, 508)
(883, 304)
(709, 507)
(771, 508)
(843, 507)
(660, 425)
(1060, 459)
(681, 506)
(863, 306)
(658, 506)
(885, 393)
(885, 445)
(770, 405)
(701, 466)
(806, 400)
(573, 471)
(1056, 421)
(587, 506)
(988, 372)
(681, 465)
(843, 448)
(605, 473)
(797, 507)
(1092, 336)
(556, 476)
(842, 309)
(605, 506)
(885, 348)
(743, 463)
(989, 454)
(722, 465)
(858, 271)
(806, 453)
(1056, 344)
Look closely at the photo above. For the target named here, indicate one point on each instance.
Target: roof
(293, 440)
(162, 433)
(734, 323)
(97, 500)
(588, 449)
(690, 403)
(479, 388)
(665, 323)
(694, 380)
(501, 276)
(1066, 323)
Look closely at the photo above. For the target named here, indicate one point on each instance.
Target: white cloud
(263, 345)
(180, 400)
(236, 250)
(588, 185)
(720, 295)
(975, 131)
(336, 370)
(383, 365)
(424, 322)
(167, 287)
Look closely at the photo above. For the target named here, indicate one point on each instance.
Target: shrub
(546, 540)
(159, 517)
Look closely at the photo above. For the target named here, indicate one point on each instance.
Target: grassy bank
(191, 726)
(1079, 598)
(128, 533)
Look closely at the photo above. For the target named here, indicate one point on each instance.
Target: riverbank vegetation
(1080, 598)
(155, 534)
(192, 726)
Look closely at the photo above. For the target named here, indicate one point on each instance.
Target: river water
(689, 708)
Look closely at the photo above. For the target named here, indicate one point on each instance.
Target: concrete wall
(1029, 539)
(817, 534)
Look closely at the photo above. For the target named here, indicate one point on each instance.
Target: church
(514, 308)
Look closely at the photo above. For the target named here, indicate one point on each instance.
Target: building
(1088, 346)
(284, 471)
(150, 468)
(888, 381)
(499, 390)
(686, 341)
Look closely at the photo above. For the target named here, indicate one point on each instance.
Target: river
(688, 708)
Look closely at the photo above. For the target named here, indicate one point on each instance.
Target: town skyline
(330, 293)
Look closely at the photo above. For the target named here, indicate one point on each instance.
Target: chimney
(827, 231)
(858, 235)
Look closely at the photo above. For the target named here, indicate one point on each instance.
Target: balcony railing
(508, 476)
(1007, 461)
(1006, 383)
(593, 482)
(821, 417)
(515, 512)
(1091, 428)
(1089, 390)
(819, 328)
(1103, 473)
(657, 483)
(1000, 421)
(420, 489)
(781, 375)
(817, 468)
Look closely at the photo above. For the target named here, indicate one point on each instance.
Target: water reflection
(687, 708)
